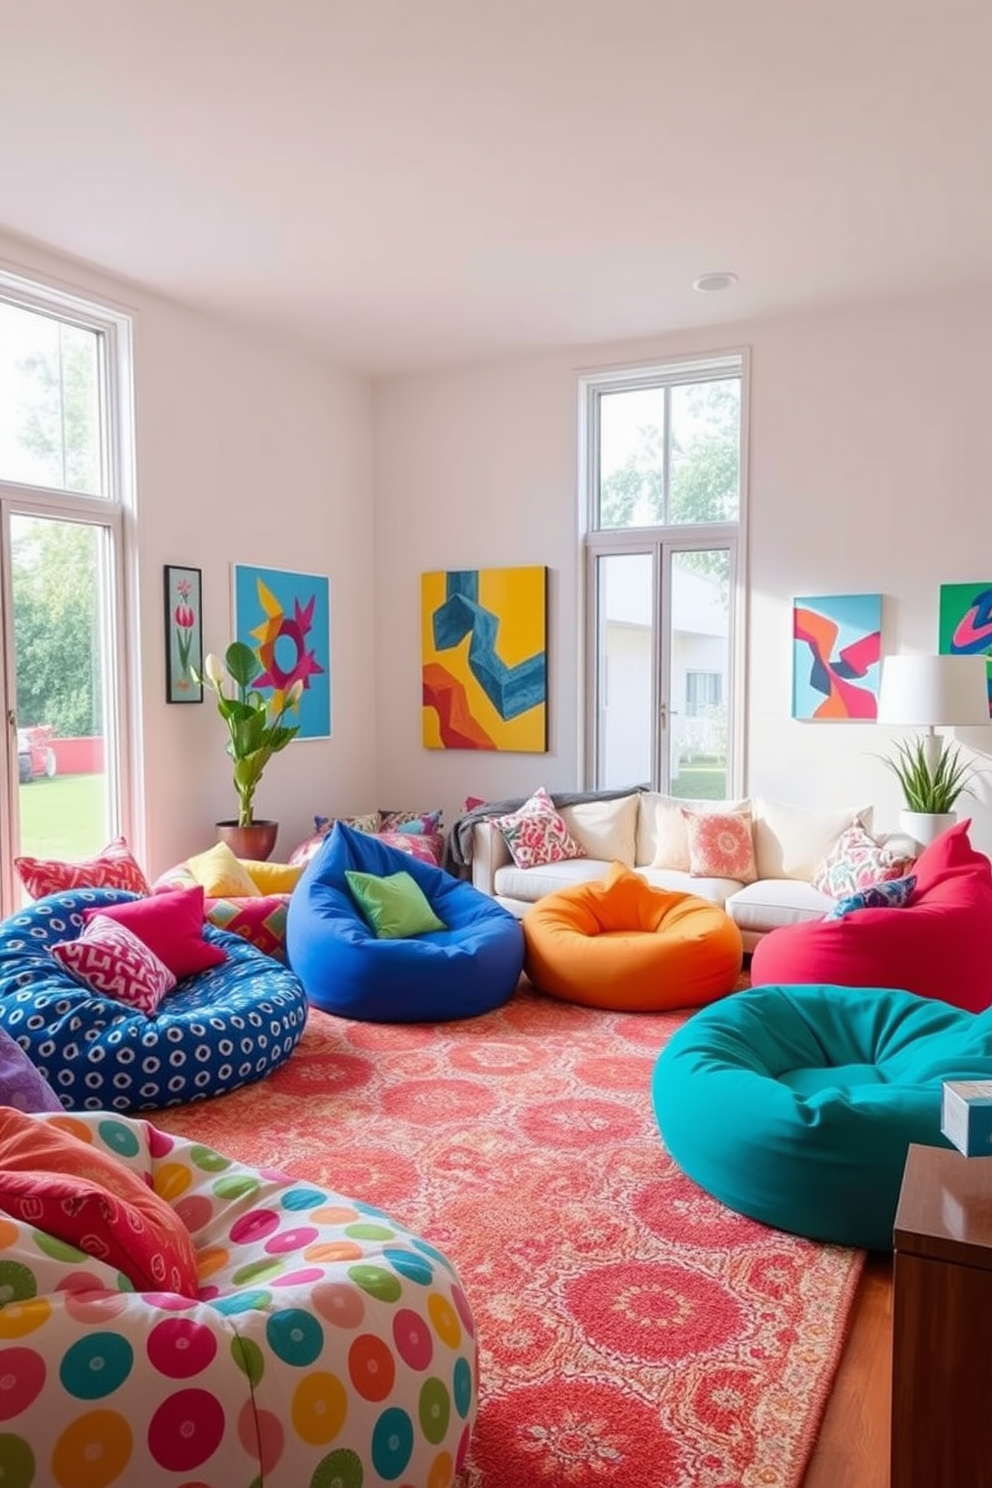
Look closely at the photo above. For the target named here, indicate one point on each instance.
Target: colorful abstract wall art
(485, 662)
(966, 623)
(836, 656)
(285, 618)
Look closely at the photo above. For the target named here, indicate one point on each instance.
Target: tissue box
(966, 1116)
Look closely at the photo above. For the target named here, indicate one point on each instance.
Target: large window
(65, 492)
(663, 460)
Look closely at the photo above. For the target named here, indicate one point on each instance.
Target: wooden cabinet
(942, 1323)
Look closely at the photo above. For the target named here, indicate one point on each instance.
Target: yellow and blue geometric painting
(485, 659)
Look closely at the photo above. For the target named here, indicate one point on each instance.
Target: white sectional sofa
(642, 831)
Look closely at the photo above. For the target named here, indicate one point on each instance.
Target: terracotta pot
(256, 841)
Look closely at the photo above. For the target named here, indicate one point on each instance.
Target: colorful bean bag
(471, 965)
(937, 945)
(796, 1105)
(617, 942)
(322, 1343)
(220, 1028)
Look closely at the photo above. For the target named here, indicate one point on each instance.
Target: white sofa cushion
(606, 829)
(792, 841)
(773, 902)
(511, 882)
(716, 889)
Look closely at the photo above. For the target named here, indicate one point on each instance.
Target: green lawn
(65, 817)
(701, 782)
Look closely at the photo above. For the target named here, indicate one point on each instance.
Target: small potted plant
(256, 732)
(932, 779)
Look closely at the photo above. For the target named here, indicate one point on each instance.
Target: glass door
(663, 648)
(694, 715)
(62, 661)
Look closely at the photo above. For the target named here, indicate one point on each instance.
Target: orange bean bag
(617, 942)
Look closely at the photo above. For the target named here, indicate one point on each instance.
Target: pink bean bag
(938, 945)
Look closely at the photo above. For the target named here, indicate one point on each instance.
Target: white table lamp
(931, 691)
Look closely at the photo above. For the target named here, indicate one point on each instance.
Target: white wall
(246, 452)
(869, 472)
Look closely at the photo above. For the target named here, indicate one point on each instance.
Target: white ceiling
(412, 183)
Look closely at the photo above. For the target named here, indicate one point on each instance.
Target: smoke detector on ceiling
(711, 283)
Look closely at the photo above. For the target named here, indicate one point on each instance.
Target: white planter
(924, 826)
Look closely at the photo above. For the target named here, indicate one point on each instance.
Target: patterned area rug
(632, 1330)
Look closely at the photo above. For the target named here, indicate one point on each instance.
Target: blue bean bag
(469, 967)
(796, 1105)
(217, 1030)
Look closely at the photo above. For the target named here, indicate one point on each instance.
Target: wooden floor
(852, 1450)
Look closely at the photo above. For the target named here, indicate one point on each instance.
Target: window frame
(113, 514)
(661, 541)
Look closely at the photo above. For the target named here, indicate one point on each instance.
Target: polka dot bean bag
(326, 1345)
(219, 1029)
(618, 942)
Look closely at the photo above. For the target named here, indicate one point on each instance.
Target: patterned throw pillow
(108, 958)
(854, 862)
(323, 826)
(536, 834)
(894, 894)
(720, 845)
(428, 847)
(65, 1186)
(113, 868)
(419, 823)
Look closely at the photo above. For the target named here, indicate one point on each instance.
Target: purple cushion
(22, 1085)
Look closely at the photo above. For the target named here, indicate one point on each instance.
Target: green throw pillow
(395, 906)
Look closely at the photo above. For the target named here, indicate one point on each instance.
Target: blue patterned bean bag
(467, 968)
(217, 1030)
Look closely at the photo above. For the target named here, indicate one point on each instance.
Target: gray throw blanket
(458, 846)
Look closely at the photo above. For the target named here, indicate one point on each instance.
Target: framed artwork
(285, 617)
(183, 634)
(965, 624)
(836, 656)
(484, 659)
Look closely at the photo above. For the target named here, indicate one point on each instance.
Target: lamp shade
(927, 690)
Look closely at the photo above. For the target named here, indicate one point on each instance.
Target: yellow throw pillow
(222, 875)
(272, 878)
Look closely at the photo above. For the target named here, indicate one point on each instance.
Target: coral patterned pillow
(855, 861)
(68, 1188)
(536, 834)
(110, 959)
(720, 845)
(113, 868)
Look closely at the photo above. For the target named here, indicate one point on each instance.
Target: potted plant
(256, 732)
(932, 779)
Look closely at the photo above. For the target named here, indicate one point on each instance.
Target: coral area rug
(632, 1331)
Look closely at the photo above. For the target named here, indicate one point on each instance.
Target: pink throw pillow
(720, 845)
(855, 862)
(171, 925)
(109, 959)
(113, 868)
(536, 834)
(57, 1183)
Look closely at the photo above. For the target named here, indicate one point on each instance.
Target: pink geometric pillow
(536, 834)
(854, 862)
(109, 959)
(720, 845)
(113, 868)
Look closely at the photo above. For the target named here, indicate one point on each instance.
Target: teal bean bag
(796, 1105)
